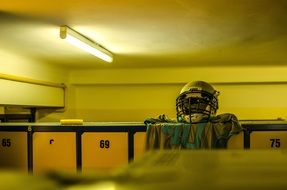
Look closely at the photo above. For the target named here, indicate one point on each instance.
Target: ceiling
(149, 33)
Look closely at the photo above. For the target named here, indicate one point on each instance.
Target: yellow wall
(15, 68)
(137, 102)
(135, 94)
(20, 65)
(255, 101)
(123, 102)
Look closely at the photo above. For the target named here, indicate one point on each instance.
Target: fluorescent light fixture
(85, 43)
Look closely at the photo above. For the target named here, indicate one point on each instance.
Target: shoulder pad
(226, 124)
(225, 117)
(160, 119)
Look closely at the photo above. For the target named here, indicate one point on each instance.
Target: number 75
(275, 143)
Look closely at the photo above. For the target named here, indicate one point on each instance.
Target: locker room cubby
(94, 146)
(54, 150)
(14, 149)
(104, 150)
(265, 134)
(41, 147)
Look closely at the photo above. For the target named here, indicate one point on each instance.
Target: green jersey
(208, 134)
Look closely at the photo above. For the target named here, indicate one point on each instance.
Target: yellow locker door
(54, 151)
(139, 144)
(268, 139)
(104, 150)
(236, 141)
(13, 150)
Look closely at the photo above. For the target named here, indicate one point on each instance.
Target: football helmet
(196, 98)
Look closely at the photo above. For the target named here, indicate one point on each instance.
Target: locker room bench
(101, 145)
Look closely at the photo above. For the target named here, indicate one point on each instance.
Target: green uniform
(207, 134)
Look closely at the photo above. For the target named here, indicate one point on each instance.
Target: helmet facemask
(195, 105)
